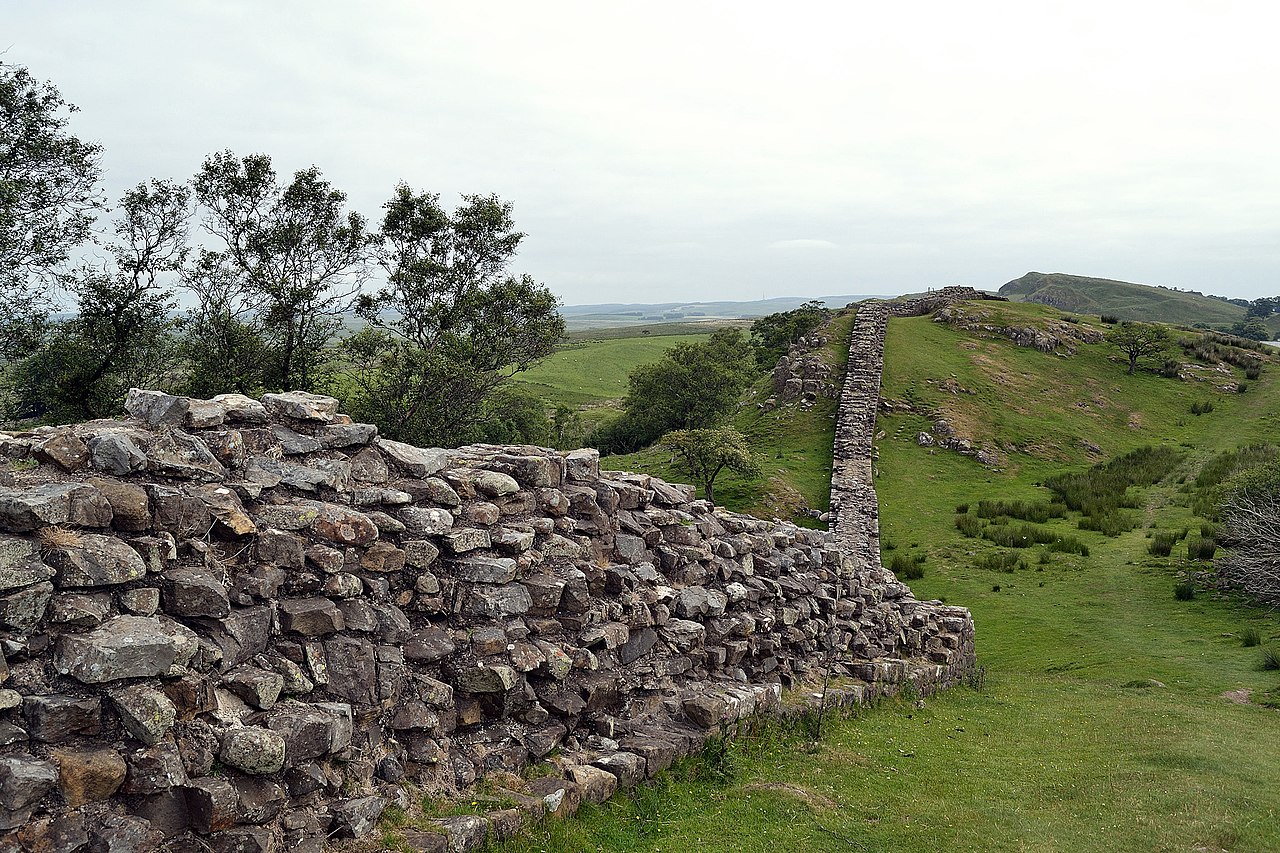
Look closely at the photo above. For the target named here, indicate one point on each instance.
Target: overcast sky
(677, 151)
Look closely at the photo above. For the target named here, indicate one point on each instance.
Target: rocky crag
(243, 626)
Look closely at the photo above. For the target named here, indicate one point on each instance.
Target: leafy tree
(773, 335)
(1138, 340)
(224, 342)
(703, 453)
(451, 324)
(48, 200)
(293, 252)
(120, 335)
(693, 386)
(1253, 329)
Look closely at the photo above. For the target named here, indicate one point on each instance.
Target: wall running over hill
(855, 512)
(243, 626)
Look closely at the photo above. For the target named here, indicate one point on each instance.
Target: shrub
(1036, 511)
(1250, 637)
(1201, 408)
(1022, 536)
(961, 509)
(1111, 523)
(1001, 561)
(1242, 387)
(1201, 548)
(969, 525)
(1162, 544)
(1184, 591)
(1109, 319)
(907, 567)
(1103, 487)
(1271, 658)
(1070, 545)
(1170, 368)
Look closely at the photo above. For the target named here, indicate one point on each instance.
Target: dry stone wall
(855, 511)
(245, 626)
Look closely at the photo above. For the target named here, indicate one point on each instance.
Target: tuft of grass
(1161, 544)
(969, 525)
(1184, 591)
(1250, 637)
(1270, 658)
(1201, 548)
(58, 538)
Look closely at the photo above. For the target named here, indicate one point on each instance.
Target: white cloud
(806, 245)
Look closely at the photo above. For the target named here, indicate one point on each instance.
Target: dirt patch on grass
(1238, 697)
(811, 798)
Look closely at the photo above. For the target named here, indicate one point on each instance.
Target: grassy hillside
(1123, 299)
(592, 372)
(1105, 721)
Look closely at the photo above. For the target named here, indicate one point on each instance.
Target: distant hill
(1128, 301)
(607, 315)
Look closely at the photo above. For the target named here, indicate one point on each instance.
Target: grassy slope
(594, 372)
(1070, 746)
(1127, 301)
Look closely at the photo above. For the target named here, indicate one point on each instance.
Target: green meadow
(1112, 716)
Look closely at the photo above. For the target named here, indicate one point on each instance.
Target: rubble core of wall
(245, 626)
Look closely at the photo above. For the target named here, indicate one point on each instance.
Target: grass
(592, 372)
(1060, 751)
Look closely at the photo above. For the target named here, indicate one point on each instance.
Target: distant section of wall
(246, 626)
(855, 512)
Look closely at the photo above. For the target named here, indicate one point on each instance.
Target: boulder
(125, 647)
(301, 406)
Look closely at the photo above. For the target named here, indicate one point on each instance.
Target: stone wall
(855, 512)
(235, 625)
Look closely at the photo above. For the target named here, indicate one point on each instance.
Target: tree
(1138, 340)
(773, 335)
(120, 335)
(693, 386)
(49, 199)
(451, 324)
(703, 453)
(1250, 530)
(293, 251)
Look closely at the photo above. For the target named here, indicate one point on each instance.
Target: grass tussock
(1103, 489)
(57, 538)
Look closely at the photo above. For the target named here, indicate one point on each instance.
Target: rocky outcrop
(248, 625)
(1051, 336)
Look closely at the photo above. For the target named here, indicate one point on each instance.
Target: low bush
(1271, 658)
(1202, 408)
(1035, 511)
(1021, 536)
(969, 525)
(907, 567)
(961, 509)
(1201, 548)
(1069, 545)
(1111, 523)
(1109, 319)
(1161, 545)
(1250, 637)
(1184, 591)
(1001, 561)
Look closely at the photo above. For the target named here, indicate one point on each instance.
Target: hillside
(1123, 299)
(1113, 716)
(621, 315)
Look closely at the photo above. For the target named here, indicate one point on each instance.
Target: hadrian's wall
(244, 626)
(855, 513)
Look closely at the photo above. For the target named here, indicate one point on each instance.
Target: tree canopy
(49, 199)
(702, 454)
(1138, 340)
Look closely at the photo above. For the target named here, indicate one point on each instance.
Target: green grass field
(1102, 725)
(593, 372)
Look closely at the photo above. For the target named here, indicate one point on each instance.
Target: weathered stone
(628, 767)
(242, 634)
(124, 834)
(225, 507)
(80, 611)
(419, 553)
(19, 563)
(240, 408)
(252, 749)
(145, 712)
(301, 406)
(499, 602)
(22, 609)
(96, 561)
(182, 456)
(294, 443)
(125, 647)
(382, 557)
(426, 522)
(466, 833)
(54, 719)
(705, 710)
(194, 592)
(116, 453)
(243, 839)
(65, 834)
(353, 673)
(462, 539)
(63, 449)
(309, 731)
(288, 516)
(23, 782)
(491, 570)
(311, 617)
(357, 818)
(155, 408)
(596, 785)
(141, 601)
(280, 548)
(485, 678)
(429, 644)
(52, 503)
(211, 804)
(415, 461)
(258, 687)
(344, 526)
(130, 506)
(154, 769)
(88, 775)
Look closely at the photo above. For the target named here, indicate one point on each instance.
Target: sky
(691, 150)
